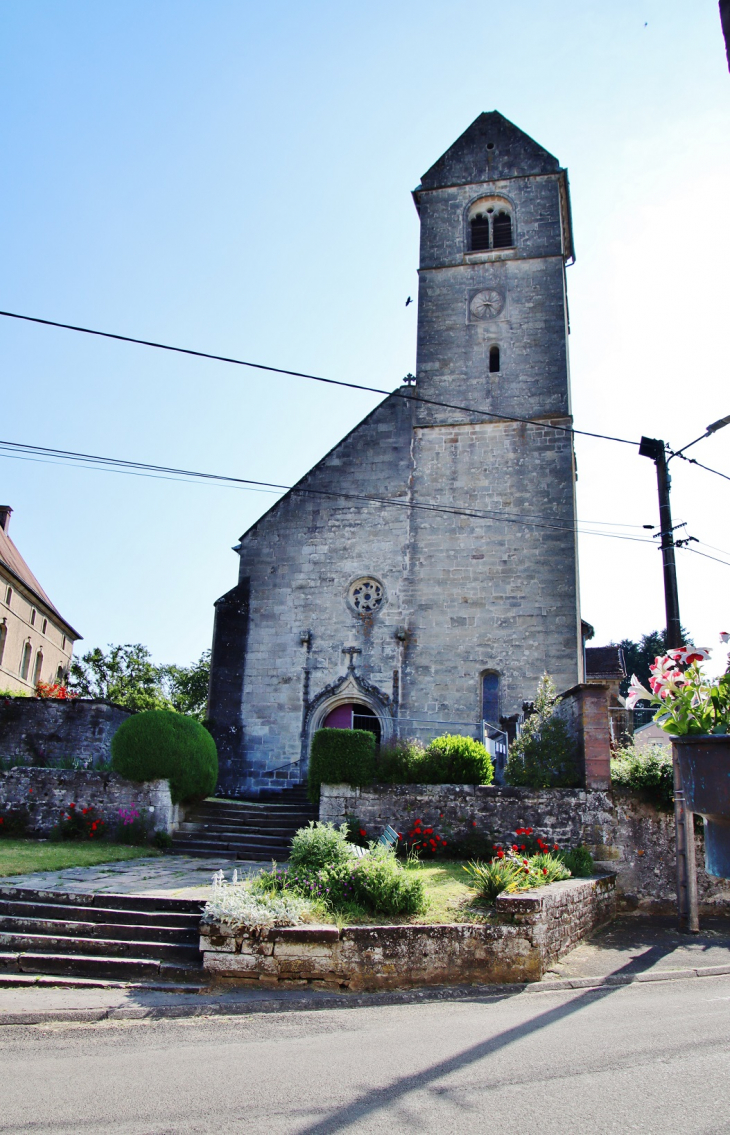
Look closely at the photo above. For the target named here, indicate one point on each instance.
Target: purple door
(339, 718)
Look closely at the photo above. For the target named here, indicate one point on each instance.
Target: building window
(64, 643)
(3, 637)
(8, 595)
(33, 613)
(490, 698)
(494, 360)
(25, 661)
(502, 230)
(45, 626)
(38, 667)
(365, 596)
(60, 676)
(491, 224)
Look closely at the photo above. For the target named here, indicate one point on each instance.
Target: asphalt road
(649, 1058)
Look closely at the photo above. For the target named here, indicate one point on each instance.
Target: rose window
(365, 595)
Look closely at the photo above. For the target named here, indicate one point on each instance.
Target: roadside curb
(219, 1008)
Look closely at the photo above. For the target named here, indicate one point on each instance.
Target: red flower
(473, 823)
(363, 833)
(428, 831)
(500, 855)
(544, 870)
(443, 842)
(528, 831)
(515, 847)
(522, 847)
(555, 847)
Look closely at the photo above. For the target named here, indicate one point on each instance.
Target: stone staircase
(85, 939)
(245, 829)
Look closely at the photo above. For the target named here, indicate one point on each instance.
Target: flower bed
(528, 932)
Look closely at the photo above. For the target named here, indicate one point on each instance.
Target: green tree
(124, 675)
(187, 686)
(640, 655)
(544, 753)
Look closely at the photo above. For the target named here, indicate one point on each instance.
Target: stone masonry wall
(622, 833)
(45, 793)
(45, 731)
(529, 933)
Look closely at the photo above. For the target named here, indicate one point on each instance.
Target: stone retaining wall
(528, 933)
(44, 793)
(623, 834)
(43, 732)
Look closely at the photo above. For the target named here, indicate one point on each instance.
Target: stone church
(423, 575)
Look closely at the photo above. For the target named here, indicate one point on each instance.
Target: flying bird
(409, 300)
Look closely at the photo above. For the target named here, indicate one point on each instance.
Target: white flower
(636, 693)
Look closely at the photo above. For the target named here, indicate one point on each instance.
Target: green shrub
(340, 756)
(544, 755)
(319, 845)
(14, 823)
(647, 772)
(579, 862)
(452, 759)
(490, 879)
(159, 744)
(381, 885)
(400, 762)
(162, 840)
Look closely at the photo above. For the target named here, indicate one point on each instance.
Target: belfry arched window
(490, 224)
(494, 359)
(490, 697)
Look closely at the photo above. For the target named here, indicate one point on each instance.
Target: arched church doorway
(353, 715)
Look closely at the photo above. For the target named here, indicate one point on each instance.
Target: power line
(311, 377)
(138, 468)
(693, 461)
(705, 556)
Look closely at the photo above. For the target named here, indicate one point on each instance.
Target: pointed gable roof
(12, 560)
(490, 149)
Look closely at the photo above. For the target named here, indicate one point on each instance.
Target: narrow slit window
(480, 232)
(494, 359)
(25, 661)
(38, 667)
(8, 595)
(45, 626)
(3, 636)
(502, 230)
(59, 675)
(32, 616)
(490, 698)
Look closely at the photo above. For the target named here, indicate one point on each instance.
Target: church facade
(423, 575)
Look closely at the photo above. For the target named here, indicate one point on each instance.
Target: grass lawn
(22, 856)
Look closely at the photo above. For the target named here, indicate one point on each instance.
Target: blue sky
(236, 177)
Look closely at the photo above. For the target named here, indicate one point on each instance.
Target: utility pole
(656, 449)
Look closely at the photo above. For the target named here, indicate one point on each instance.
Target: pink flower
(636, 693)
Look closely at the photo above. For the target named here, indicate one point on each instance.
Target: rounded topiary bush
(341, 756)
(160, 744)
(453, 759)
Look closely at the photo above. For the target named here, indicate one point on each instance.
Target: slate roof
(605, 663)
(11, 559)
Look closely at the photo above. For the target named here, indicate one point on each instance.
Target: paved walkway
(175, 876)
(631, 949)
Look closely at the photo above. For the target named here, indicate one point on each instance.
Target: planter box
(534, 928)
(704, 765)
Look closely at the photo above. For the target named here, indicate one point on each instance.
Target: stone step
(114, 968)
(101, 915)
(291, 819)
(118, 932)
(232, 844)
(250, 852)
(141, 903)
(223, 825)
(98, 947)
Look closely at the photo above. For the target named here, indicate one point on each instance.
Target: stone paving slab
(640, 944)
(173, 876)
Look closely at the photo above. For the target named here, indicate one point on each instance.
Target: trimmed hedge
(160, 744)
(341, 756)
(450, 759)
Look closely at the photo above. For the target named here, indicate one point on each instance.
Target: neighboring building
(441, 608)
(36, 642)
